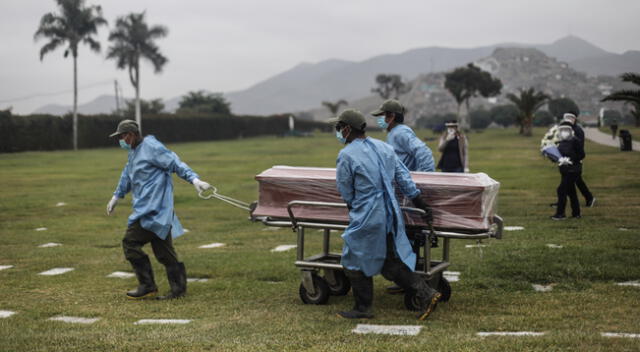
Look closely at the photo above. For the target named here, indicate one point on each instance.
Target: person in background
(375, 241)
(453, 145)
(570, 167)
(614, 129)
(570, 119)
(413, 153)
(147, 175)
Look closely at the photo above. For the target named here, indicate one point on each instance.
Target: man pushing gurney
(375, 241)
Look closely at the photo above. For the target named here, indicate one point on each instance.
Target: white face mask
(564, 135)
(451, 130)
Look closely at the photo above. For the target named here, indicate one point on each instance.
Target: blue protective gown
(413, 153)
(147, 175)
(366, 169)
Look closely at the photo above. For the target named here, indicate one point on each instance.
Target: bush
(543, 118)
(47, 132)
(558, 107)
(435, 122)
(480, 119)
(504, 115)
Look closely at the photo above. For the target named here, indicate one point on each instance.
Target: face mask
(341, 139)
(565, 135)
(451, 130)
(382, 123)
(124, 145)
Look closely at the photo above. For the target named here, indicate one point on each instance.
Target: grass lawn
(250, 301)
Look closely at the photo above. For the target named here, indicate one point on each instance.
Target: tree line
(467, 82)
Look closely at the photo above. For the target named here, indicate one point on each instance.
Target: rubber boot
(412, 282)
(362, 288)
(430, 297)
(146, 285)
(177, 277)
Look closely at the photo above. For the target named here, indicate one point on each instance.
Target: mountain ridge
(306, 85)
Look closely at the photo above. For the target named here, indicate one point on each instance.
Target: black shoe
(553, 205)
(591, 202)
(558, 217)
(142, 292)
(395, 290)
(355, 314)
(433, 302)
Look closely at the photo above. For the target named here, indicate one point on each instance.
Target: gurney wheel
(342, 285)
(445, 289)
(322, 292)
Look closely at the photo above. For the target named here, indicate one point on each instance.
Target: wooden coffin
(459, 201)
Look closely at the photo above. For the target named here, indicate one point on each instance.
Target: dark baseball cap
(351, 117)
(390, 105)
(125, 126)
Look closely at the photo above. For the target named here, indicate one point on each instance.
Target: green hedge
(48, 132)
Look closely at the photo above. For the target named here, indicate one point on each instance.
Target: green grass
(251, 303)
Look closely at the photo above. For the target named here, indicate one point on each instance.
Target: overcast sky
(228, 45)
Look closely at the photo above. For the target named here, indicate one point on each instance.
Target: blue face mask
(341, 139)
(124, 145)
(382, 123)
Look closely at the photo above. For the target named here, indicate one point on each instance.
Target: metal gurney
(306, 198)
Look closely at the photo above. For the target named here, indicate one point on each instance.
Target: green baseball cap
(351, 117)
(125, 126)
(390, 105)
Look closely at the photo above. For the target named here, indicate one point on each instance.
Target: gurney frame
(315, 289)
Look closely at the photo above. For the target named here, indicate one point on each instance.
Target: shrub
(47, 132)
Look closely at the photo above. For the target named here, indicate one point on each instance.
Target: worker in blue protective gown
(375, 241)
(413, 153)
(147, 175)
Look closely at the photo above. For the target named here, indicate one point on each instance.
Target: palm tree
(629, 96)
(132, 40)
(75, 24)
(334, 107)
(528, 103)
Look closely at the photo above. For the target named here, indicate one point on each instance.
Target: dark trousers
(136, 237)
(566, 188)
(583, 188)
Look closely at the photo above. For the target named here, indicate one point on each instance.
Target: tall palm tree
(528, 103)
(628, 95)
(132, 40)
(75, 24)
(334, 107)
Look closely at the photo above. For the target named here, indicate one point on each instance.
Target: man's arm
(422, 153)
(404, 181)
(344, 180)
(168, 160)
(124, 185)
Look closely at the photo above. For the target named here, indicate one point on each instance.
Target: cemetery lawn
(250, 301)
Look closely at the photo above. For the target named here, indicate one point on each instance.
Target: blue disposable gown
(147, 175)
(413, 153)
(366, 169)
